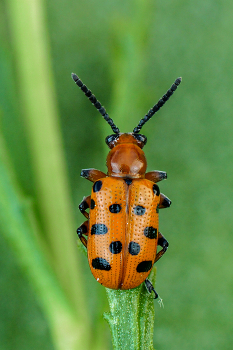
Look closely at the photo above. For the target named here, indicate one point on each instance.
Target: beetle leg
(156, 175)
(164, 202)
(164, 244)
(150, 288)
(92, 174)
(83, 230)
(84, 205)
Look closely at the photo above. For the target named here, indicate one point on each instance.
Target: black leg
(150, 288)
(156, 175)
(165, 202)
(92, 174)
(162, 242)
(84, 205)
(83, 230)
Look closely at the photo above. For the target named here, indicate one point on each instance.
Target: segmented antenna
(95, 102)
(158, 105)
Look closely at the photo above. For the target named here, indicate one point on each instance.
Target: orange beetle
(122, 225)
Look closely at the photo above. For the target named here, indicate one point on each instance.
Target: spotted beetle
(122, 225)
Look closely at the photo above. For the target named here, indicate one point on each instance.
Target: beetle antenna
(95, 102)
(158, 105)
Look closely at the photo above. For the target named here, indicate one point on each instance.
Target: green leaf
(68, 330)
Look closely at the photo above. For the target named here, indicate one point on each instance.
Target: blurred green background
(128, 53)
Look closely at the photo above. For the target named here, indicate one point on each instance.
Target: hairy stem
(131, 317)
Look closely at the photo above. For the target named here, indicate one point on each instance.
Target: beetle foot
(150, 288)
(83, 229)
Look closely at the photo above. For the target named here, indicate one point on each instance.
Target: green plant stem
(36, 86)
(131, 317)
(67, 329)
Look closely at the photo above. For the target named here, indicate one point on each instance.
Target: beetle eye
(110, 140)
(140, 138)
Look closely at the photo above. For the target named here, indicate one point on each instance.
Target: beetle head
(126, 158)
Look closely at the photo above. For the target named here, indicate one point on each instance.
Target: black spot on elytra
(156, 190)
(134, 248)
(115, 247)
(150, 232)
(144, 266)
(139, 210)
(128, 181)
(99, 229)
(92, 204)
(97, 186)
(157, 209)
(115, 208)
(101, 264)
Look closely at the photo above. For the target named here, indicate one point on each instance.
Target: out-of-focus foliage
(129, 58)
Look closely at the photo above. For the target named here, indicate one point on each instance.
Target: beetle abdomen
(123, 231)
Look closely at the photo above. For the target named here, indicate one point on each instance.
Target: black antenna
(158, 105)
(95, 102)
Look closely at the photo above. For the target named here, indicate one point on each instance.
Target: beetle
(121, 231)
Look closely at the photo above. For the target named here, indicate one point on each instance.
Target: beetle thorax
(126, 160)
